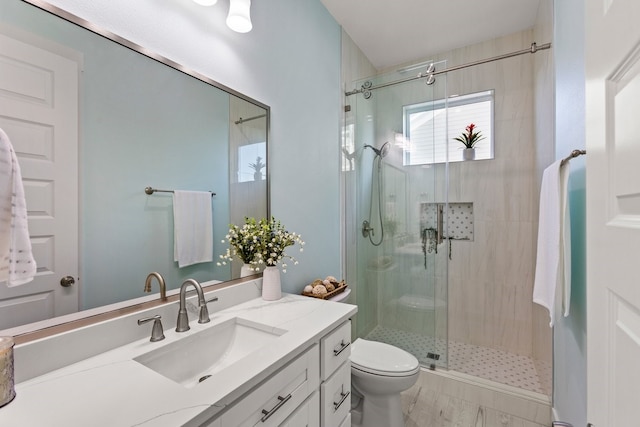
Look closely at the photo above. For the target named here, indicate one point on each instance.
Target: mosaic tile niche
(459, 224)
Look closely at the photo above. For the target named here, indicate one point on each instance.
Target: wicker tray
(328, 294)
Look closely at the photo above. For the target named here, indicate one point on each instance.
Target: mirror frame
(56, 325)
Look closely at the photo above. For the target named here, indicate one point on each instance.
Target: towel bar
(151, 190)
(574, 153)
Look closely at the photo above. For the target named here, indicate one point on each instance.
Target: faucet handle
(204, 311)
(157, 333)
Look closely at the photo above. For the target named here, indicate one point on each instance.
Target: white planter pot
(469, 154)
(271, 289)
(246, 270)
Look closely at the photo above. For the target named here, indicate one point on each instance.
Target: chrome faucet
(183, 319)
(163, 287)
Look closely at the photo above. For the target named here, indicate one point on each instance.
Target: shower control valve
(366, 229)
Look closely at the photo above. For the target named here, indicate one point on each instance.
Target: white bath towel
(553, 262)
(193, 227)
(17, 265)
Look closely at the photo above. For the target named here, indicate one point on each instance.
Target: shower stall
(440, 250)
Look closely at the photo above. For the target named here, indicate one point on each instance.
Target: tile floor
(423, 407)
(487, 363)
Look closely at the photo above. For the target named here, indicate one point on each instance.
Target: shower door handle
(440, 223)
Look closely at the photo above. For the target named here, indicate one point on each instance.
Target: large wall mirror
(94, 121)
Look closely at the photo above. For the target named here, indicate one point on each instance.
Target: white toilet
(379, 373)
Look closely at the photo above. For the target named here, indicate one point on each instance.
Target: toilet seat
(382, 359)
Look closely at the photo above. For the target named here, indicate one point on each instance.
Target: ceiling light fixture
(206, 2)
(239, 18)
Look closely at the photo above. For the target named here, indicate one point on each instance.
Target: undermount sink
(200, 355)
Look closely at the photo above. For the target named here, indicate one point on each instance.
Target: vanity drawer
(307, 414)
(335, 396)
(272, 401)
(335, 349)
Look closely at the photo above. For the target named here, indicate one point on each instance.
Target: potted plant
(243, 242)
(469, 139)
(257, 167)
(262, 244)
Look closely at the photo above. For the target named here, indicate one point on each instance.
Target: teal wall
(569, 337)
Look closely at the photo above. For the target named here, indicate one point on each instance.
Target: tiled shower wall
(490, 278)
(544, 111)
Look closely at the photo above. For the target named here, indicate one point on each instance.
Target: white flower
(260, 242)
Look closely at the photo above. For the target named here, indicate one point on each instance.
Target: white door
(613, 211)
(39, 113)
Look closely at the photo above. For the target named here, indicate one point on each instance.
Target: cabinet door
(307, 414)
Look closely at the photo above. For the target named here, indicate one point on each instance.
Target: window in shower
(429, 130)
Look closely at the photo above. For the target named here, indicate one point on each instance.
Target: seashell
(330, 287)
(308, 289)
(316, 283)
(319, 290)
(325, 282)
(331, 279)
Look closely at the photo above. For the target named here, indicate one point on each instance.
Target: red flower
(469, 138)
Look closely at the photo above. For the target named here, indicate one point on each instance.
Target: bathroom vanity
(268, 363)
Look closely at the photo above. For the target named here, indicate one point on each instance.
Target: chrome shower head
(382, 151)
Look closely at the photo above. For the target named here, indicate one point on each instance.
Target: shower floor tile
(487, 363)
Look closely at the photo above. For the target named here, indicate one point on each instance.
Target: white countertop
(111, 389)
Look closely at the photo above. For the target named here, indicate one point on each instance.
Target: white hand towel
(17, 265)
(193, 227)
(553, 262)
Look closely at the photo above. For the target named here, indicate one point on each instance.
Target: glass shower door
(396, 213)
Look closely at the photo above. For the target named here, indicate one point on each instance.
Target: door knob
(67, 281)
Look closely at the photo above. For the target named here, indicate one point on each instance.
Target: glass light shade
(206, 2)
(239, 18)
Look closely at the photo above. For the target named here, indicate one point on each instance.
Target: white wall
(289, 61)
(570, 387)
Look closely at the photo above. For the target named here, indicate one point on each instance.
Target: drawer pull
(343, 345)
(267, 414)
(343, 397)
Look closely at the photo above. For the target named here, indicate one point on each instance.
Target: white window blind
(429, 134)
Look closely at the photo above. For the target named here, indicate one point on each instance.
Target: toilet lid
(382, 359)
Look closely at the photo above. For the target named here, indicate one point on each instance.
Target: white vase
(271, 289)
(246, 270)
(469, 154)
